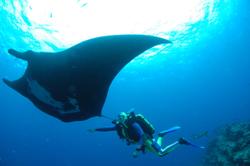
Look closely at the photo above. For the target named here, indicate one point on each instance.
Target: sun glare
(66, 22)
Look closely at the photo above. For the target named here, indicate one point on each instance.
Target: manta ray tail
(19, 85)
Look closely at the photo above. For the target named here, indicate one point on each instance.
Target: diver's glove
(135, 154)
(138, 150)
(141, 148)
(115, 122)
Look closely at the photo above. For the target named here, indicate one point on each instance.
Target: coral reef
(231, 147)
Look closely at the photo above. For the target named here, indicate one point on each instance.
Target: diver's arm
(104, 129)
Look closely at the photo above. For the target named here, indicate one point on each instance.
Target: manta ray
(72, 84)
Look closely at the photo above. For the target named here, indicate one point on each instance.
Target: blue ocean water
(199, 82)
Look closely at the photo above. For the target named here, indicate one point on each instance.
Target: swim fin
(183, 141)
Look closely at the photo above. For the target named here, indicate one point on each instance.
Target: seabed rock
(231, 147)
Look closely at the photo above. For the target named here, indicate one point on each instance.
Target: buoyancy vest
(126, 131)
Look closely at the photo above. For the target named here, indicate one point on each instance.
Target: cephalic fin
(18, 54)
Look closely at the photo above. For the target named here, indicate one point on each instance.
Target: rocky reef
(231, 146)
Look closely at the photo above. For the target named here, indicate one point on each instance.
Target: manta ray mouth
(69, 106)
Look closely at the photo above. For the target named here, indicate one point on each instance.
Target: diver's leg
(164, 132)
(163, 151)
(176, 144)
(168, 149)
(172, 129)
(159, 140)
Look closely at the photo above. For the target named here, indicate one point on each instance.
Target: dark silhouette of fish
(72, 85)
(200, 135)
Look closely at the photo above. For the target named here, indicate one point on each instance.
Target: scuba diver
(136, 129)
